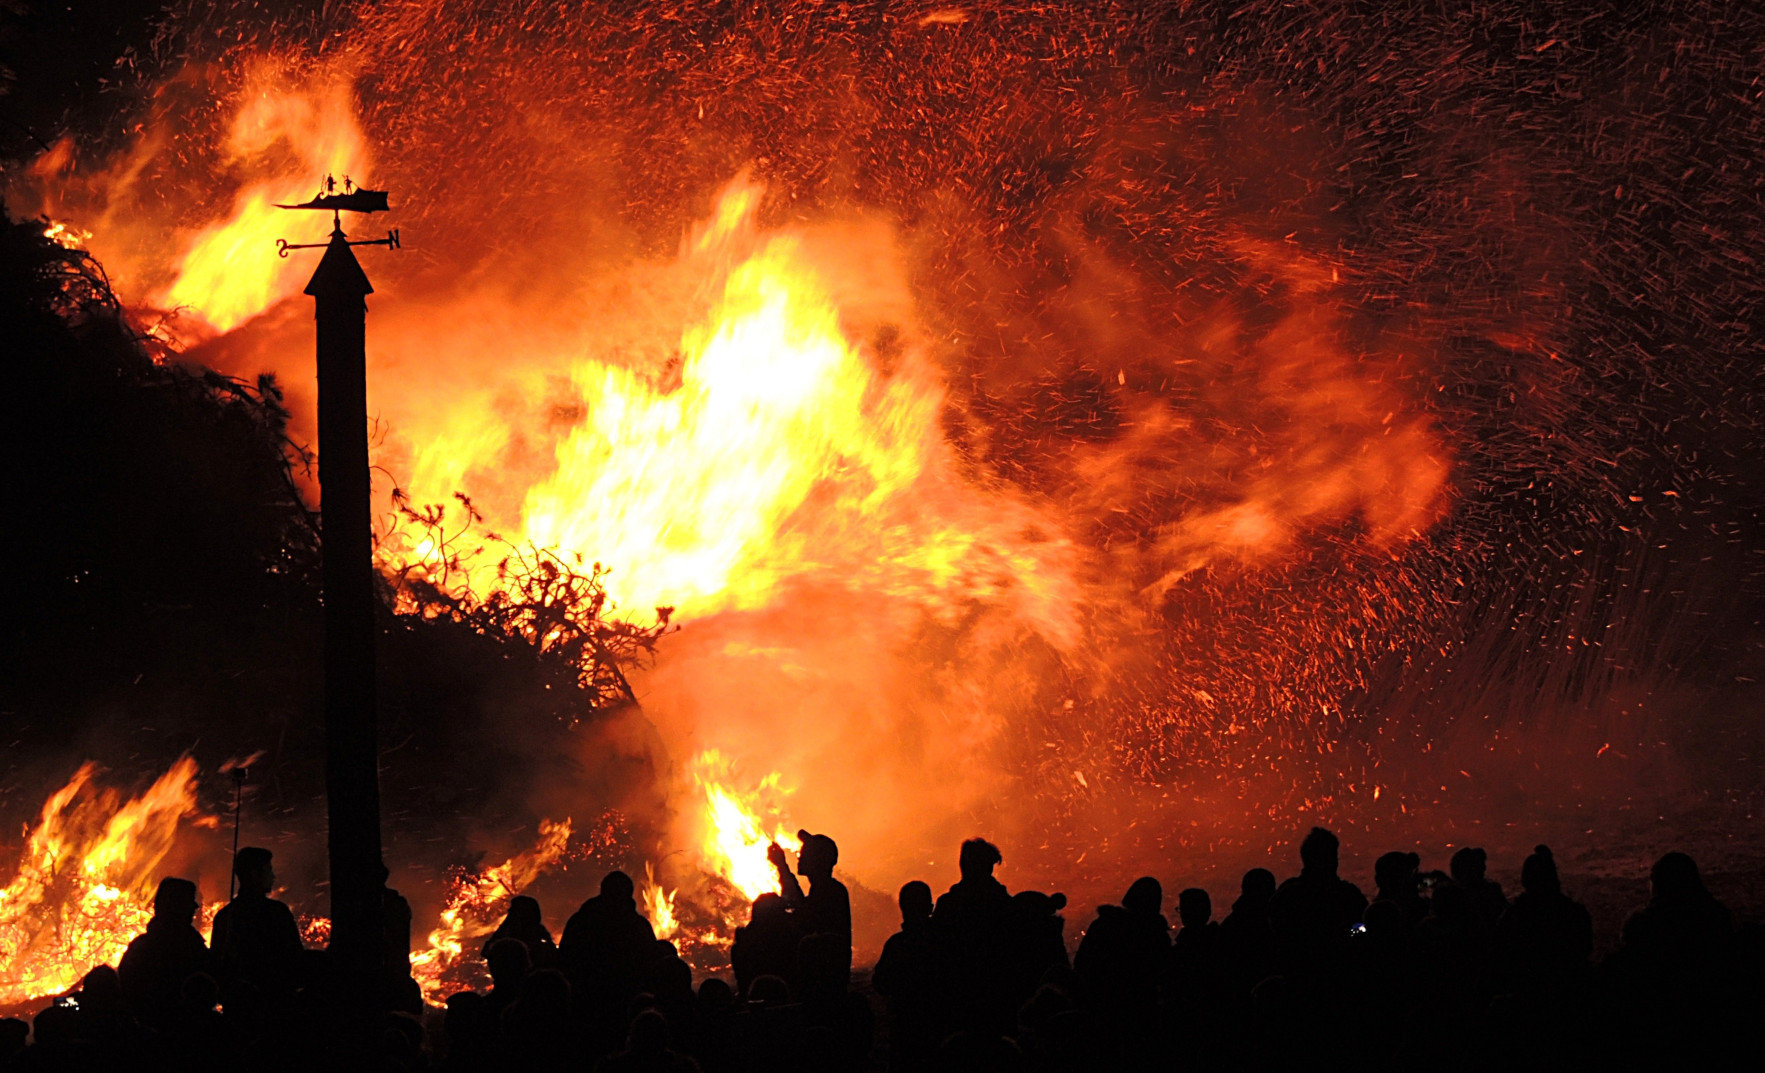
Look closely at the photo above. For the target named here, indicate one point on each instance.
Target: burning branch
(541, 597)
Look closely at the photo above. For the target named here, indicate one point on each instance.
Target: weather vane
(353, 199)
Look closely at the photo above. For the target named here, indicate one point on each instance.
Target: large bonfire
(984, 407)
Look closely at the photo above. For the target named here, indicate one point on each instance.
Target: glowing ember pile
(85, 879)
(476, 904)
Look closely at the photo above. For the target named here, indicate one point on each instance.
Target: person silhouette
(975, 905)
(157, 961)
(256, 943)
(1035, 943)
(1315, 912)
(510, 966)
(1247, 935)
(970, 922)
(647, 1049)
(1196, 946)
(1470, 867)
(1683, 930)
(911, 977)
(766, 945)
(1545, 938)
(1396, 875)
(607, 943)
(1123, 952)
(525, 922)
(827, 908)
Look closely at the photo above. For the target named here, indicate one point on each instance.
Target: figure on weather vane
(353, 199)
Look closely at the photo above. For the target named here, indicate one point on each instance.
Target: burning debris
(84, 881)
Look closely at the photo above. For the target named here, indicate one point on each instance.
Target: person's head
(252, 866)
(508, 960)
(1145, 897)
(1469, 866)
(915, 901)
(1395, 873)
(1538, 875)
(546, 995)
(1320, 851)
(716, 994)
(817, 857)
(619, 887)
(1451, 902)
(55, 1026)
(101, 989)
(1675, 878)
(649, 1033)
(523, 914)
(1384, 920)
(768, 908)
(1257, 884)
(978, 858)
(769, 990)
(1035, 907)
(175, 901)
(1194, 907)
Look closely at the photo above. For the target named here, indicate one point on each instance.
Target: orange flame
(288, 138)
(475, 905)
(659, 906)
(83, 888)
(739, 827)
(776, 449)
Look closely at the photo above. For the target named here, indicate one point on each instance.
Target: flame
(476, 904)
(66, 235)
(740, 827)
(776, 449)
(288, 137)
(659, 906)
(84, 882)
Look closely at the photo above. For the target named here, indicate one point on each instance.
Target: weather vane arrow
(353, 199)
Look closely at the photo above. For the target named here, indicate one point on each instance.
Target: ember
(1111, 426)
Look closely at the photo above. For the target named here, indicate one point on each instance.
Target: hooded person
(1123, 952)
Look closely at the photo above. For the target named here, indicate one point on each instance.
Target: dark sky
(57, 61)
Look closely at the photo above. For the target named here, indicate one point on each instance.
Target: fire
(85, 880)
(776, 449)
(740, 827)
(475, 906)
(659, 906)
(285, 137)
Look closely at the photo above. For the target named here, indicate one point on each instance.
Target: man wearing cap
(827, 908)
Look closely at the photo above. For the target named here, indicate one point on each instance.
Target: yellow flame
(84, 882)
(476, 905)
(228, 273)
(659, 906)
(740, 827)
(777, 448)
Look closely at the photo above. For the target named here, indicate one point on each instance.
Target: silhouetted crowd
(1436, 971)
